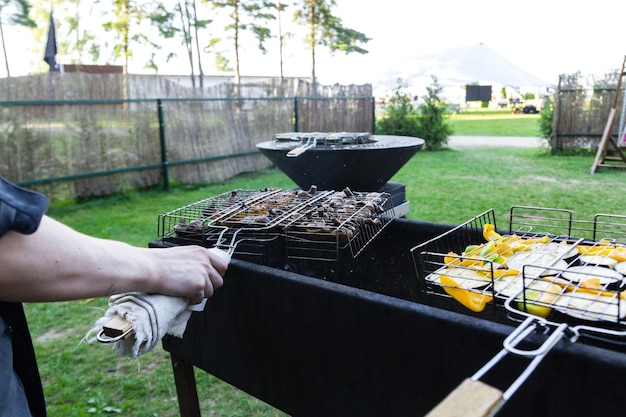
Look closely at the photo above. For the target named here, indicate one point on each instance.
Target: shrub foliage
(426, 122)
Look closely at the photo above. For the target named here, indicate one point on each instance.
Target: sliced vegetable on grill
(615, 252)
(598, 260)
(538, 298)
(464, 277)
(457, 260)
(620, 267)
(470, 299)
(592, 285)
(561, 250)
(489, 233)
(536, 263)
(509, 284)
(583, 272)
(590, 306)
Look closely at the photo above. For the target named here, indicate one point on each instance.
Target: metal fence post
(166, 176)
(373, 115)
(296, 121)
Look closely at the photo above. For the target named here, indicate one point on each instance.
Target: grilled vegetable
(472, 300)
(489, 233)
(539, 297)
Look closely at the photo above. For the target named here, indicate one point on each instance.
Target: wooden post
(607, 139)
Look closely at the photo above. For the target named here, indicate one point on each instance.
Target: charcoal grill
(361, 336)
(334, 160)
(562, 275)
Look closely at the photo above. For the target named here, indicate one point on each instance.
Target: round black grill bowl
(360, 166)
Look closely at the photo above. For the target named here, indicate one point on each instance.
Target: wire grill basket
(315, 224)
(548, 265)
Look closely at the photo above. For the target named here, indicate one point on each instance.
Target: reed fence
(82, 135)
(582, 107)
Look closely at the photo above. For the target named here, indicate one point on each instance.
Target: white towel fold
(153, 316)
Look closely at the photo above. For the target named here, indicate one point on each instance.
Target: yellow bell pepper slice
(504, 273)
(473, 301)
(590, 285)
(489, 232)
(452, 259)
(619, 254)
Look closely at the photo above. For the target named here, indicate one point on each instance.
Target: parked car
(529, 109)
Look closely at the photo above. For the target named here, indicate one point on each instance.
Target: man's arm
(58, 263)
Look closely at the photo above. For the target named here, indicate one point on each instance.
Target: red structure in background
(92, 69)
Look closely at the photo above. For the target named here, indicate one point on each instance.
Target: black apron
(21, 211)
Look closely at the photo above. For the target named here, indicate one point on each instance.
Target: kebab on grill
(342, 215)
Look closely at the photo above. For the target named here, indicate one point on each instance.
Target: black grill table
(357, 337)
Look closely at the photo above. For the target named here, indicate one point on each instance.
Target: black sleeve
(21, 210)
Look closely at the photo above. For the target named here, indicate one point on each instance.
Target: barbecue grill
(334, 160)
(561, 275)
(369, 334)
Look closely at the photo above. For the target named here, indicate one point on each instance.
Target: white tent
(460, 66)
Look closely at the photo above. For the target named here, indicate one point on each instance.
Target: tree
(326, 29)
(127, 15)
(196, 25)
(281, 37)
(14, 12)
(183, 21)
(249, 15)
(79, 41)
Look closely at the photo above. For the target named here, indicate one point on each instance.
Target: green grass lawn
(450, 186)
(495, 123)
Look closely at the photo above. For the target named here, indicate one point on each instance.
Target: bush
(427, 122)
(546, 117)
(400, 117)
(432, 125)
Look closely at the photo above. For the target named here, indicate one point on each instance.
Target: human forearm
(58, 263)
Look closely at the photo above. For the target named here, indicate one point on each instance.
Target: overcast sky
(543, 37)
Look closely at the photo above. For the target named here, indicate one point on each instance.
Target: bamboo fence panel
(45, 133)
(582, 107)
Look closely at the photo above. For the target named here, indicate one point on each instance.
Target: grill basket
(568, 267)
(314, 224)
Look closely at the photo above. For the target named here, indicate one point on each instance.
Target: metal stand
(186, 389)
(601, 156)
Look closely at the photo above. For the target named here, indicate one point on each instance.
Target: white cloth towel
(152, 315)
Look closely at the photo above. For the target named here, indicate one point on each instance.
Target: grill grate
(338, 223)
(548, 264)
(315, 224)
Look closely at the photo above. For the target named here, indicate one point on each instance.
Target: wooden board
(601, 158)
(116, 327)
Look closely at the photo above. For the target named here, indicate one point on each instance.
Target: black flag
(51, 47)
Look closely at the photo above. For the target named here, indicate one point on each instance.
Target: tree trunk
(312, 17)
(195, 25)
(237, 69)
(279, 7)
(184, 17)
(4, 51)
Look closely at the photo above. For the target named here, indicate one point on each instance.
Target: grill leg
(186, 391)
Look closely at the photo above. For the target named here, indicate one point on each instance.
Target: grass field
(495, 123)
(81, 379)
